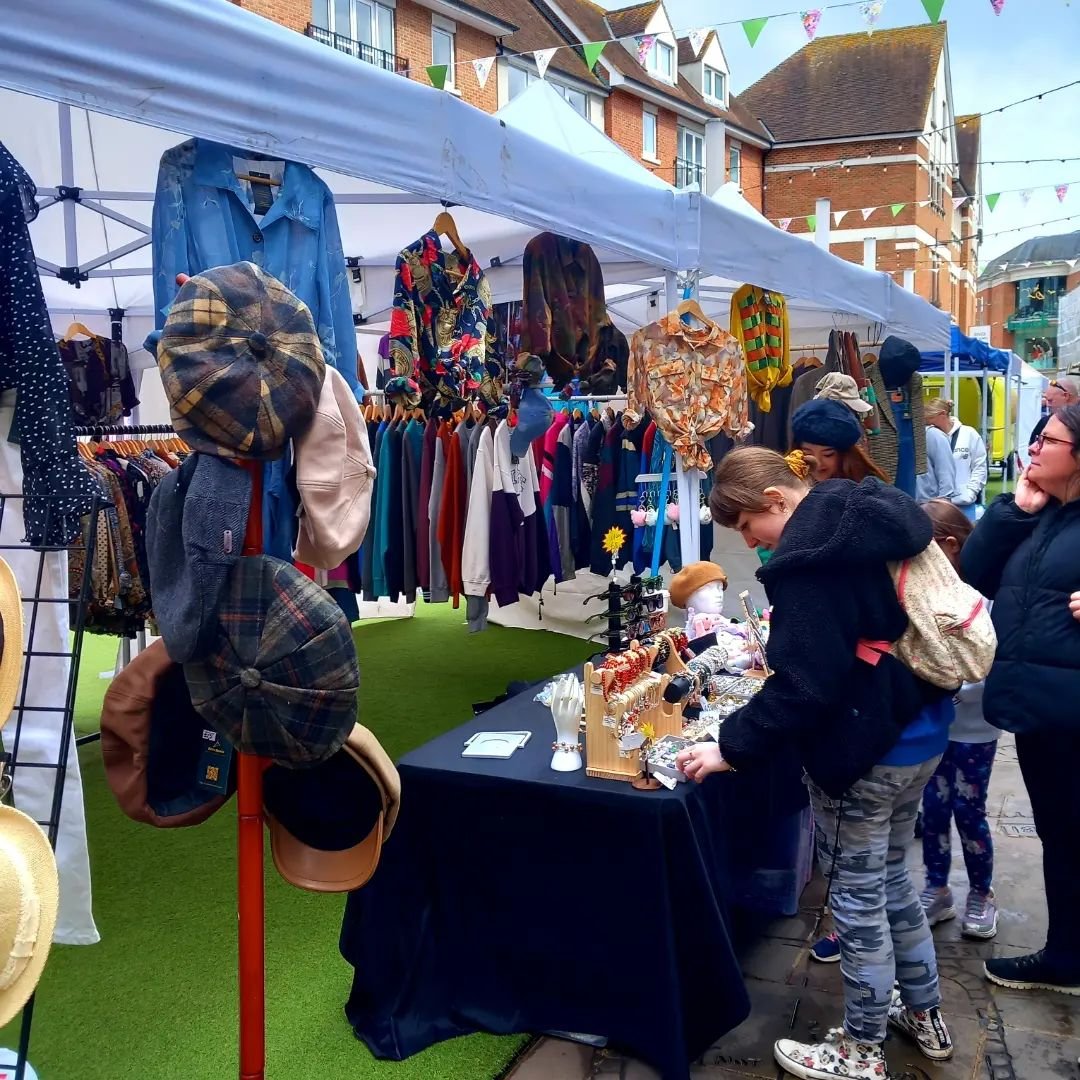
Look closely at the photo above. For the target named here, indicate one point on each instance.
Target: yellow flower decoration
(648, 731)
(614, 539)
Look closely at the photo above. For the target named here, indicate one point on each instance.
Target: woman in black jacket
(1025, 556)
(869, 734)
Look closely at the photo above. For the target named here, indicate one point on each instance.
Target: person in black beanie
(830, 436)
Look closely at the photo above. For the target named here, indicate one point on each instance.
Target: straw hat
(11, 641)
(29, 898)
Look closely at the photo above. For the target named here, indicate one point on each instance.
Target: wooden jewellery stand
(605, 710)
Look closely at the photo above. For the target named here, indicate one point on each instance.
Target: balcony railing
(368, 53)
(1026, 319)
(688, 172)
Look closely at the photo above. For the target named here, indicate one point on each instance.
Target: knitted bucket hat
(826, 423)
(282, 678)
(241, 363)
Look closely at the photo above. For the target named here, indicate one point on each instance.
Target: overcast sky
(1032, 46)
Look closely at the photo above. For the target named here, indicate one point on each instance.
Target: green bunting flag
(992, 201)
(753, 28)
(437, 74)
(933, 9)
(896, 207)
(592, 51)
(811, 222)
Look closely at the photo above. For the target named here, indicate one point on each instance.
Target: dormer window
(661, 60)
(713, 84)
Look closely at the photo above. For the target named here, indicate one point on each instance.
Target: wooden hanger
(446, 226)
(75, 329)
(266, 181)
(691, 307)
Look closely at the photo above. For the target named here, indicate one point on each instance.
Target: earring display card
(495, 744)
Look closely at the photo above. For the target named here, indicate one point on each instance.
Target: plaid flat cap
(241, 363)
(282, 678)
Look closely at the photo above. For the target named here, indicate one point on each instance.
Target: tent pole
(671, 290)
(67, 178)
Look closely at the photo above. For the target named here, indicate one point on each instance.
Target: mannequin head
(708, 600)
(699, 586)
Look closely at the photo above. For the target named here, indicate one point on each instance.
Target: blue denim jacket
(203, 217)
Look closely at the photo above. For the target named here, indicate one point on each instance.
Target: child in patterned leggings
(959, 786)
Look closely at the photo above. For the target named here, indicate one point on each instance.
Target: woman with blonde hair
(868, 731)
(969, 456)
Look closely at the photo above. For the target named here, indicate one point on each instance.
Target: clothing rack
(101, 431)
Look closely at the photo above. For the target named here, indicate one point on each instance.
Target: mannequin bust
(699, 589)
(705, 610)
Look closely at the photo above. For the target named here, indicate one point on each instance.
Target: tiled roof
(686, 49)
(968, 145)
(851, 85)
(631, 21)
(1040, 249)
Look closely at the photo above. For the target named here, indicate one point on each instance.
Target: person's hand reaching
(1074, 605)
(1029, 496)
(699, 760)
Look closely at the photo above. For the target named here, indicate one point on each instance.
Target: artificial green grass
(156, 999)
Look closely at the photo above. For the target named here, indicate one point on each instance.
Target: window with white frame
(690, 162)
(518, 80)
(442, 46)
(713, 86)
(364, 21)
(734, 164)
(648, 135)
(661, 60)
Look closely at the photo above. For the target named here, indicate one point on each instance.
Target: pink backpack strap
(901, 580)
(871, 652)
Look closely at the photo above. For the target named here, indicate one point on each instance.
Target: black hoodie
(829, 587)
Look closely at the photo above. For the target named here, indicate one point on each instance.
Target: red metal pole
(249, 862)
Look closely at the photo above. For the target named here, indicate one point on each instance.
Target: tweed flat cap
(241, 363)
(282, 678)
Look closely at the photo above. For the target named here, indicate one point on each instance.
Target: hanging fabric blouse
(439, 329)
(692, 382)
(99, 377)
(759, 321)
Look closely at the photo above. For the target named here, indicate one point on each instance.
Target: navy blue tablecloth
(511, 898)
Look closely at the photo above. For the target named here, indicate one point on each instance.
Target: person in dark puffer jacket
(1025, 556)
(868, 731)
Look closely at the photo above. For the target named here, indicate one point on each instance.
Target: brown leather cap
(328, 823)
(152, 744)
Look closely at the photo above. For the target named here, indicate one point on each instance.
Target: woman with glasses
(1025, 556)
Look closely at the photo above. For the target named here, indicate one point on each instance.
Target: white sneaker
(838, 1056)
(926, 1029)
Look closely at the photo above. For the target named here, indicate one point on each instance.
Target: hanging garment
(411, 461)
(857, 370)
(439, 329)
(99, 379)
(30, 364)
(373, 571)
(805, 386)
(759, 322)
(423, 517)
(454, 507)
(476, 545)
(692, 381)
(41, 731)
(564, 318)
(440, 584)
(205, 216)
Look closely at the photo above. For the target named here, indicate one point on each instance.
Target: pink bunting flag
(810, 21)
(784, 223)
(645, 45)
(871, 14)
(1061, 191)
(959, 201)
(867, 211)
(997, 5)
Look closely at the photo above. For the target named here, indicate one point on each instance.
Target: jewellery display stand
(34, 605)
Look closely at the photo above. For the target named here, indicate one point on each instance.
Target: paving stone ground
(999, 1034)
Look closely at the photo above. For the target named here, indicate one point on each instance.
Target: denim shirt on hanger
(203, 217)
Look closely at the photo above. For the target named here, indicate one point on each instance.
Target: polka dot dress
(58, 489)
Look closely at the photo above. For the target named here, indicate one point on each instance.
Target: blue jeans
(883, 933)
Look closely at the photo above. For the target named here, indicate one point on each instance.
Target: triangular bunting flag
(784, 223)
(543, 57)
(1071, 263)
(810, 21)
(838, 216)
(896, 207)
(753, 28)
(933, 9)
(992, 201)
(959, 201)
(437, 74)
(645, 45)
(867, 211)
(811, 222)
(871, 13)
(1061, 191)
(592, 51)
(1025, 196)
(697, 39)
(997, 5)
(483, 67)
(1003, 266)
(1023, 265)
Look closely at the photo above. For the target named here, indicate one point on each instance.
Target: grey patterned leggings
(884, 936)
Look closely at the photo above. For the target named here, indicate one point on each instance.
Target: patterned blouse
(439, 328)
(693, 383)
